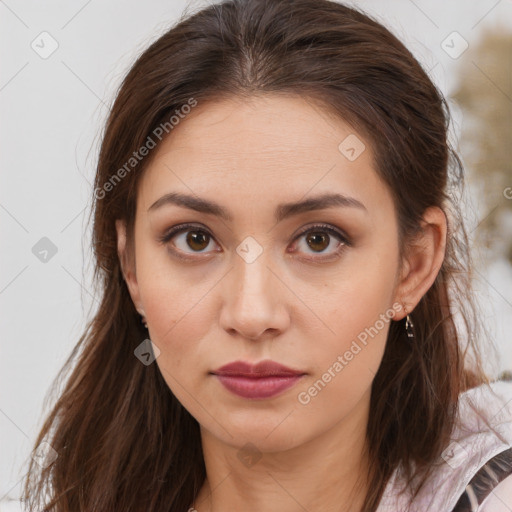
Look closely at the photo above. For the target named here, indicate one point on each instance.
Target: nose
(254, 307)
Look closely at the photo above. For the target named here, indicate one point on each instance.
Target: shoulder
(500, 499)
(483, 431)
(489, 486)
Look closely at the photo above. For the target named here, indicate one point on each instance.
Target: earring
(143, 321)
(409, 326)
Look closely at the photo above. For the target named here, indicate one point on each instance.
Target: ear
(423, 259)
(127, 262)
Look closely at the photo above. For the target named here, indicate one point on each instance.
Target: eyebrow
(283, 210)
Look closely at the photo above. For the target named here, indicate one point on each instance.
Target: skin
(298, 303)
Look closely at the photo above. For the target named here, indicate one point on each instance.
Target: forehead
(270, 145)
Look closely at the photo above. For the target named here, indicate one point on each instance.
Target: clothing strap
(484, 481)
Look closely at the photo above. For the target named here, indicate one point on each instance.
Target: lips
(260, 381)
(262, 369)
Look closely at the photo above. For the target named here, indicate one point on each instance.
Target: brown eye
(187, 239)
(197, 240)
(318, 241)
(190, 241)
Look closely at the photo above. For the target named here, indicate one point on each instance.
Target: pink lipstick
(262, 380)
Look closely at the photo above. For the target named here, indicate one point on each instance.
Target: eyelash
(323, 228)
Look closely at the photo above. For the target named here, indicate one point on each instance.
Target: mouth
(260, 381)
(257, 387)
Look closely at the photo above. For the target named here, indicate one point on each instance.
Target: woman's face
(311, 287)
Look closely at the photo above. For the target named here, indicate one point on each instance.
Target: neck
(325, 473)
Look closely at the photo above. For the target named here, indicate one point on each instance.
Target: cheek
(358, 318)
(174, 298)
(177, 322)
(355, 349)
(357, 296)
(172, 305)
(345, 364)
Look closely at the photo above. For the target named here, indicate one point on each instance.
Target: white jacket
(483, 430)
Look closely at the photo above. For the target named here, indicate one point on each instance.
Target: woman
(286, 320)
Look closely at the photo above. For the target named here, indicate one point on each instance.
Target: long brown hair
(123, 441)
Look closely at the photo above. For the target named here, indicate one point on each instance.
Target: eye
(188, 236)
(319, 238)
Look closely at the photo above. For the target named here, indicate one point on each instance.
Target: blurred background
(61, 65)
